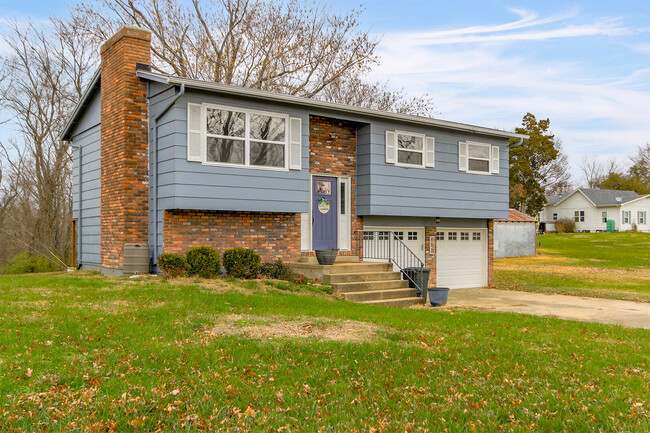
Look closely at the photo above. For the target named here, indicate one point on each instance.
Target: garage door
(461, 258)
(376, 243)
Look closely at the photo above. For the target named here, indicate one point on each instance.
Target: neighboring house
(592, 208)
(174, 163)
(515, 236)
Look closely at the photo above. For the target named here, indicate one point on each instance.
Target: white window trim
(580, 215)
(247, 138)
(603, 215)
(628, 214)
(422, 152)
(554, 217)
(488, 159)
(642, 215)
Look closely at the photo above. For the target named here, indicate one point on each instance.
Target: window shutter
(391, 145)
(295, 143)
(495, 159)
(462, 156)
(194, 133)
(430, 152)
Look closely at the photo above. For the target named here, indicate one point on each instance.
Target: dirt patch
(281, 327)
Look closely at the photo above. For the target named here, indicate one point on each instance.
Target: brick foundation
(274, 236)
(333, 150)
(124, 135)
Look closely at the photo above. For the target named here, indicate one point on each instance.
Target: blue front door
(324, 213)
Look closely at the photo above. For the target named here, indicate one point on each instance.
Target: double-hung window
(410, 149)
(626, 217)
(245, 138)
(604, 215)
(641, 217)
(478, 158)
(579, 216)
(231, 136)
(554, 217)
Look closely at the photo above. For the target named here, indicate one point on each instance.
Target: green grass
(82, 352)
(613, 265)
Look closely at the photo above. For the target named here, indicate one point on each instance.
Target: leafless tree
(47, 69)
(592, 170)
(289, 47)
(640, 164)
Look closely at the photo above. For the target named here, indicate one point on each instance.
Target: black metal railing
(388, 245)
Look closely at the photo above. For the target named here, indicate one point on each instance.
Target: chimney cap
(126, 31)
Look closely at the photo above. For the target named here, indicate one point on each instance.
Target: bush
(277, 270)
(241, 263)
(203, 262)
(172, 265)
(565, 225)
(23, 263)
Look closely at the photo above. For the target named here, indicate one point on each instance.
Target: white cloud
(475, 80)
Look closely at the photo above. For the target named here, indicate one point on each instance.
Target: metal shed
(515, 236)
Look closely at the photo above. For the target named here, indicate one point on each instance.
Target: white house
(591, 208)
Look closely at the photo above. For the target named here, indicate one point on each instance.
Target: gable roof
(309, 102)
(516, 216)
(599, 197)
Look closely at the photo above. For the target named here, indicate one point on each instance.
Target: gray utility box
(136, 259)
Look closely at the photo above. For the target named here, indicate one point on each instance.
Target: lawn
(614, 265)
(83, 352)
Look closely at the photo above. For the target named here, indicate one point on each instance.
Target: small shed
(515, 236)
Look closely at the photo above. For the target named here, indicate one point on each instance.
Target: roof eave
(81, 106)
(242, 91)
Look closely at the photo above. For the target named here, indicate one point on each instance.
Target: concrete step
(398, 302)
(369, 286)
(316, 271)
(339, 259)
(376, 295)
(358, 277)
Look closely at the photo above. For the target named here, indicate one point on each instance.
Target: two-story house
(172, 163)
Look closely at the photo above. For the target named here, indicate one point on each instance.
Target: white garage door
(461, 258)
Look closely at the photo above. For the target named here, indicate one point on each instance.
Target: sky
(585, 65)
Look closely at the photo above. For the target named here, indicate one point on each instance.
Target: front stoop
(363, 282)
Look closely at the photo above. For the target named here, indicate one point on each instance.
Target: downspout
(521, 140)
(79, 219)
(155, 170)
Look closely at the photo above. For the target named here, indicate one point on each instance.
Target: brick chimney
(124, 154)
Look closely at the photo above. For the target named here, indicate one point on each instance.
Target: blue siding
(87, 135)
(443, 191)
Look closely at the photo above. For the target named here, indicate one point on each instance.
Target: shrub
(565, 225)
(277, 270)
(241, 263)
(23, 263)
(172, 265)
(203, 262)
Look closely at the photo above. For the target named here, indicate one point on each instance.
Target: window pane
(223, 122)
(406, 157)
(479, 165)
(479, 151)
(267, 128)
(225, 150)
(267, 154)
(409, 142)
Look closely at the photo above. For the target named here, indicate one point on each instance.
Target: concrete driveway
(610, 311)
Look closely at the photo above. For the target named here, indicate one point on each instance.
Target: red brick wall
(430, 254)
(124, 135)
(490, 263)
(337, 154)
(273, 235)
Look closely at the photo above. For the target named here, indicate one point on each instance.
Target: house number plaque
(323, 205)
